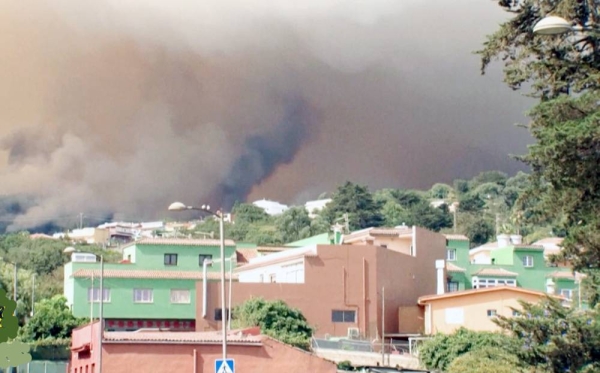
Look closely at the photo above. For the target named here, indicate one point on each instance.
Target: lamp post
(70, 250)
(178, 206)
(553, 25)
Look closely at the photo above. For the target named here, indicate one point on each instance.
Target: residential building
(152, 351)
(505, 262)
(338, 288)
(314, 207)
(474, 309)
(271, 207)
(153, 287)
(319, 239)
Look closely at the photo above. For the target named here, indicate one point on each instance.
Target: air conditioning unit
(353, 333)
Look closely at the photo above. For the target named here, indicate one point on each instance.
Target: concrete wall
(473, 309)
(272, 356)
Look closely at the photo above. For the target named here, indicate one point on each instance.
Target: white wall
(286, 272)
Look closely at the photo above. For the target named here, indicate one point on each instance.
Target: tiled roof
(463, 293)
(244, 255)
(450, 267)
(457, 237)
(549, 240)
(370, 232)
(181, 337)
(180, 242)
(529, 247)
(497, 272)
(562, 274)
(150, 274)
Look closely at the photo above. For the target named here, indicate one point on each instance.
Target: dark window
(219, 314)
(170, 259)
(343, 316)
(452, 286)
(516, 313)
(491, 313)
(201, 258)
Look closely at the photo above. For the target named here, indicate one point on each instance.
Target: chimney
(503, 240)
(441, 283)
(516, 239)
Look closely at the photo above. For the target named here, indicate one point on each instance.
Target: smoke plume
(118, 107)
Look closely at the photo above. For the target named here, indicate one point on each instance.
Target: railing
(38, 366)
(358, 345)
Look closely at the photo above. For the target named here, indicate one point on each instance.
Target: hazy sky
(123, 107)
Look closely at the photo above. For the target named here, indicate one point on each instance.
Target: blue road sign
(224, 366)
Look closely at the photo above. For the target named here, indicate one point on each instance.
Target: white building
(270, 207)
(282, 267)
(315, 206)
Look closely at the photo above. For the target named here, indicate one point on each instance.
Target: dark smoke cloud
(266, 151)
(119, 108)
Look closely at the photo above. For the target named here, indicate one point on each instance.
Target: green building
(505, 262)
(153, 286)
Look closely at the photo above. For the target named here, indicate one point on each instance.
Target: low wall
(368, 358)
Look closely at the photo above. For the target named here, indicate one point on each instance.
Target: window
(452, 286)
(516, 313)
(383, 246)
(219, 314)
(94, 295)
(170, 259)
(451, 255)
(180, 296)
(528, 261)
(480, 283)
(129, 257)
(491, 313)
(203, 257)
(142, 296)
(567, 293)
(343, 316)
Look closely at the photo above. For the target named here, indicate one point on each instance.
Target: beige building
(473, 309)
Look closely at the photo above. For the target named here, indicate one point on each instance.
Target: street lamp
(554, 25)
(178, 206)
(70, 250)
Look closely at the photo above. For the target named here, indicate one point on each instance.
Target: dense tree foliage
(564, 73)
(556, 338)
(441, 350)
(52, 320)
(275, 319)
(356, 201)
(486, 360)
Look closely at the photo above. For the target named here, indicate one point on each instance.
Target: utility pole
(382, 326)
(33, 295)
(347, 223)
(101, 313)
(81, 220)
(15, 286)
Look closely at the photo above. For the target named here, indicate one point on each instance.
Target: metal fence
(358, 345)
(39, 366)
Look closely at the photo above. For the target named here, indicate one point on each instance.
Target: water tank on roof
(83, 257)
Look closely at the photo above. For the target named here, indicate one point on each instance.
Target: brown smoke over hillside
(123, 107)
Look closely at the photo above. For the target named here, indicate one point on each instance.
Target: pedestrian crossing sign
(224, 366)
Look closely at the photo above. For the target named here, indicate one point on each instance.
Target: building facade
(474, 309)
(338, 288)
(153, 287)
(143, 352)
(505, 262)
